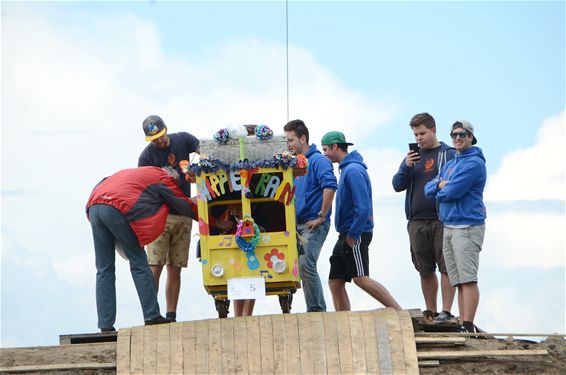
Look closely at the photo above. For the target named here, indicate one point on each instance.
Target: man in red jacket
(129, 210)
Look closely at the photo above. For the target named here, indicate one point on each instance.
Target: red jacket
(143, 195)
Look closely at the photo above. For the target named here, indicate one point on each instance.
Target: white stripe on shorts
(358, 257)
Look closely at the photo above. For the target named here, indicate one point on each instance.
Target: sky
(78, 78)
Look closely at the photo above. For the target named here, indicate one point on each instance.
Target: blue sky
(78, 79)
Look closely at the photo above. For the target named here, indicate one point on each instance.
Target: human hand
(412, 158)
(311, 224)
(442, 183)
(350, 241)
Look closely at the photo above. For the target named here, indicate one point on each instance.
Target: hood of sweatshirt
(353, 157)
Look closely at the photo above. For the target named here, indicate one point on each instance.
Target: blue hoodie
(354, 212)
(461, 199)
(308, 188)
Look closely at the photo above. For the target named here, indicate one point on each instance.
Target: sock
(172, 315)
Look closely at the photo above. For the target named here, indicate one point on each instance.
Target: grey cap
(467, 126)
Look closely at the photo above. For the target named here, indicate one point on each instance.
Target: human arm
(360, 197)
(174, 198)
(327, 198)
(461, 181)
(402, 179)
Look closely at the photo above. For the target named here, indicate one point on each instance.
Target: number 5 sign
(246, 288)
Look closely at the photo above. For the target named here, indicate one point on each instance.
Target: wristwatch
(320, 214)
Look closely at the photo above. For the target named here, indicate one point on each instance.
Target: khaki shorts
(425, 237)
(461, 249)
(172, 247)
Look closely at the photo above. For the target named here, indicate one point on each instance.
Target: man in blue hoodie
(354, 223)
(424, 228)
(313, 203)
(459, 191)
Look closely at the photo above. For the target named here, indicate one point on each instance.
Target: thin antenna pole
(287, 51)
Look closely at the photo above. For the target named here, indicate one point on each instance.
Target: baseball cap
(333, 137)
(466, 126)
(153, 127)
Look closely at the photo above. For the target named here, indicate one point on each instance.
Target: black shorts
(347, 262)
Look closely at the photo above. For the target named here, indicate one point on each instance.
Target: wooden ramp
(372, 342)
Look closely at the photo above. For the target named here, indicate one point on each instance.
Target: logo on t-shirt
(171, 159)
(429, 164)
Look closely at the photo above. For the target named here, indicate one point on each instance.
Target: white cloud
(534, 173)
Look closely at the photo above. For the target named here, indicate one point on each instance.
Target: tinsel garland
(284, 160)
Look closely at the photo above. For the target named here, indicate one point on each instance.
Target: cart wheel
(222, 307)
(285, 300)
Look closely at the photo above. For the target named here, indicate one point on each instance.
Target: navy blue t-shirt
(423, 208)
(180, 146)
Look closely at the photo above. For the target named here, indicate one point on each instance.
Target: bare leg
(471, 298)
(377, 291)
(429, 286)
(156, 274)
(173, 287)
(244, 307)
(339, 295)
(448, 292)
(460, 304)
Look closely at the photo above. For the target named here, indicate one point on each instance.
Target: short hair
(342, 146)
(171, 172)
(423, 119)
(299, 127)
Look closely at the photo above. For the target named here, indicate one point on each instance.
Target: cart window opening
(270, 216)
(226, 218)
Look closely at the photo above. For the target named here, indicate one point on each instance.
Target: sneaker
(428, 317)
(157, 320)
(469, 327)
(444, 317)
(111, 329)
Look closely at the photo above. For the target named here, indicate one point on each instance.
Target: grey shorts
(425, 237)
(461, 249)
(172, 247)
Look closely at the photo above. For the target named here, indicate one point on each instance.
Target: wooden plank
(136, 350)
(150, 349)
(279, 344)
(478, 353)
(266, 344)
(201, 350)
(253, 343)
(123, 351)
(176, 347)
(305, 343)
(240, 346)
(331, 343)
(370, 343)
(429, 363)
(318, 343)
(440, 340)
(383, 347)
(214, 347)
(227, 334)
(409, 346)
(163, 354)
(358, 343)
(189, 348)
(344, 343)
(60, 367)
(395, 342)
(293, 352)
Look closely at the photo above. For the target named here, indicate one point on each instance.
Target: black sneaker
(469, 327)
(111, 329)
(445, 317)
(157, 320)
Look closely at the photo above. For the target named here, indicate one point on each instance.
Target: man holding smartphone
(424, 228)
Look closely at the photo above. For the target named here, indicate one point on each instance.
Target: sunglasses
(459, 134)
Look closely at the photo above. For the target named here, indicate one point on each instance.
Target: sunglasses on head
(459, 134)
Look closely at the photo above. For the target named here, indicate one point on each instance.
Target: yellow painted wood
(344, 343)
(176, 347)
(331, 343)
(279, 344)
(357, 340)
(395, 342)
(163, 354)
(136, 350)
(409, 345)
(123, 351)
(214, 347)
(189, 348)
(201, 350)
(293, 349)
(318, 343)
(150, 349)
(266, 344)
(227, 336)
(370, 343)
(240, 346)
(305, 343)
(253, 343)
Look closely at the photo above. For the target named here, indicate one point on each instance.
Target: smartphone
(414, 147)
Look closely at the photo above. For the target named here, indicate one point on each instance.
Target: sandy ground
(554, 363)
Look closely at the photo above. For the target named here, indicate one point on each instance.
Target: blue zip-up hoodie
(461, 199)
(403, 179)
(354, 207)
(308, 188)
